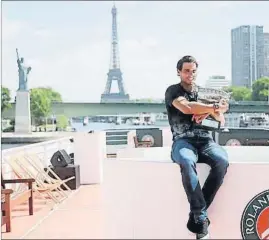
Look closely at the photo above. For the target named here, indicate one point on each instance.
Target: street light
(268, 95)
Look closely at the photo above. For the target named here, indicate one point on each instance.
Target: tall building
(217, 82)
(266, 54)
(247, 55)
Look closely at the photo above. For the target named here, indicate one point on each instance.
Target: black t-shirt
(181, 124)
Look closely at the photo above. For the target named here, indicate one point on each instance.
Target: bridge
(72, 109)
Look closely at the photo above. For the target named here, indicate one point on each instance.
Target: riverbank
(34, 137)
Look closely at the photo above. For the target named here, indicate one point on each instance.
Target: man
(192, 145)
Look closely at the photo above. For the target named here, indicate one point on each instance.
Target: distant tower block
(114, 73)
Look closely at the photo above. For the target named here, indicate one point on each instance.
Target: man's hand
(219, 117)
(199, 117)
(223, 106)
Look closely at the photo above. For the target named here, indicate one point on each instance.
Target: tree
(239, 93)
(5, 101)
(52, 94)
(41, 100)
(260, 89)
(40, 104)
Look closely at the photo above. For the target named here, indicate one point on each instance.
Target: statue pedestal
(22, 112)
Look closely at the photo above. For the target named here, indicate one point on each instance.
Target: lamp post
(268, 95)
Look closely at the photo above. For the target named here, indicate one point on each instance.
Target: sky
(68, 43)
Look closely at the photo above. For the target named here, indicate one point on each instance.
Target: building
(217, 82)
(266, 54)
(247, 54)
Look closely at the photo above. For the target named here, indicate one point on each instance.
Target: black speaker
(60, 159)
(67, 172)
(153, 134)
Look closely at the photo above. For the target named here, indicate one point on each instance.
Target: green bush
(61, 122)
(9, 129)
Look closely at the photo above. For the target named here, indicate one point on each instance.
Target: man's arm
(219, 116)
(17, 54)
(183, 105)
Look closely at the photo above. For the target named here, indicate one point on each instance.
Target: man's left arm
(219, 116)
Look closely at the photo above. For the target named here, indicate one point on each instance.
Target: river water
(7, 146)
(109, 126)
(96, 126)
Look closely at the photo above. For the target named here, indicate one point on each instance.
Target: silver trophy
(210, 96)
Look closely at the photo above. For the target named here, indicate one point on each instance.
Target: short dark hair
(186, 59)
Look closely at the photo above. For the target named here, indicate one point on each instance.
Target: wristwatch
(215, 106)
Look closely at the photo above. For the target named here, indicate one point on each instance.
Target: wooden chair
(6, 209)
(46, 181)
(141, 143)
(8, 202)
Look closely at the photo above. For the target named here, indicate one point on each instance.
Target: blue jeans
(187, 152)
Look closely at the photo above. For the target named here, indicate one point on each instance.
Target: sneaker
(191, 225)
(203, 230)
(194, 227)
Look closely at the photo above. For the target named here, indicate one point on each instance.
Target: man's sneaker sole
(207, 236)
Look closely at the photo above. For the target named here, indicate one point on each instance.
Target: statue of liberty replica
(23, 72)
(22, 111)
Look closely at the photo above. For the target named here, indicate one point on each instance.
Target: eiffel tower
(114, 73)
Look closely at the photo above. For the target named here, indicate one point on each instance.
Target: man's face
(188, 73)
